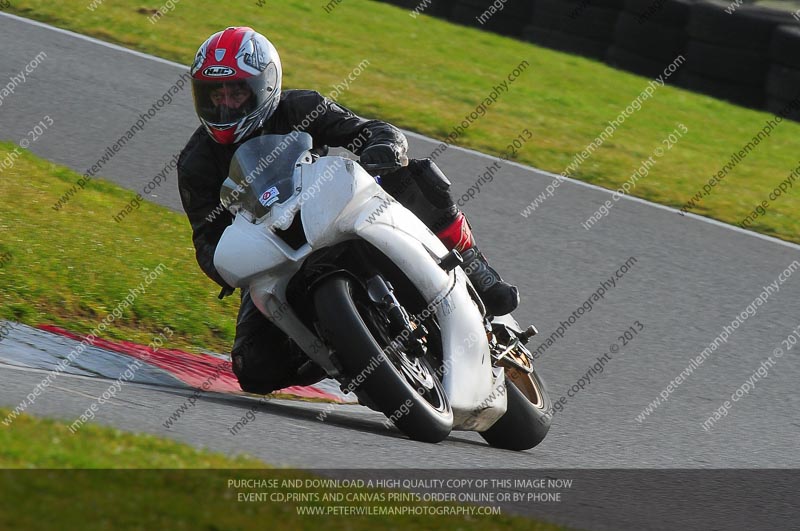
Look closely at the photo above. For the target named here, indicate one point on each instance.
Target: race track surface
(689, 278)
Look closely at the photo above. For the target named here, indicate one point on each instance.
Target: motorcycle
(373, 297)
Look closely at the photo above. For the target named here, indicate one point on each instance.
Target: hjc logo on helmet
(218, 71)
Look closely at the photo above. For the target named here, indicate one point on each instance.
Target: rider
(236, 85)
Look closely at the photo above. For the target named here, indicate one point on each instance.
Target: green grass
(785, 5)
(40, 443)
(426, 75)
(79, 485)
(73, 267)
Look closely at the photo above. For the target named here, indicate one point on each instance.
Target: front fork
(408, 337)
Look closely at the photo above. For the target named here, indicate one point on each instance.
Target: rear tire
(343, 312)
(525, 423)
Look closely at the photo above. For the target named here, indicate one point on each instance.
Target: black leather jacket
(203, 164)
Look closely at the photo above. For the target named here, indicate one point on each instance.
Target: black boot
(499, 297)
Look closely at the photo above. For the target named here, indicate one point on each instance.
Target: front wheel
(401, 386)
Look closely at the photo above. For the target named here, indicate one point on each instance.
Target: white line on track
(432, 140)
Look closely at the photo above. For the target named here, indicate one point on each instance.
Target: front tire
(390, 379)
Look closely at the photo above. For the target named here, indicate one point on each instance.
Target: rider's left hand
(382, 154)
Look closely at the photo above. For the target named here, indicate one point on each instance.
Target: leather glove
(383, 154)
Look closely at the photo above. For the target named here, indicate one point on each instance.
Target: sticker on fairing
(269, 197)
(448, 305)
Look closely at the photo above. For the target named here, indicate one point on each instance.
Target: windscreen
(262, 172)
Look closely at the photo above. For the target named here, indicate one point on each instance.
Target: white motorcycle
(373, 297)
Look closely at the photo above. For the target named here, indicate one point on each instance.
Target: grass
(73, 267)
(785, 5)
(164, 497)
(426, 75)
(41, 443)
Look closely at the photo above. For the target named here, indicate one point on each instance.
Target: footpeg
(511, 356)
(451, 260)
(528, 334)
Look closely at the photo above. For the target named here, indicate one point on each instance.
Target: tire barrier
(785, 46)
(665, 13)
(747, 96)
(744, 54)
(738, 67)
(650, 38)
(649, 35)
(747, 28)
(783, 78)
(728, 53)
(787, 108)
(632, 62)
(585, 27)
(783, 82)
(506, 17)
(783, 88)
(565, 42)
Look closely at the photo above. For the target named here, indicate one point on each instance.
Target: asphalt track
(690, 278)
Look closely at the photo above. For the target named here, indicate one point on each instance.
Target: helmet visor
(224, 103)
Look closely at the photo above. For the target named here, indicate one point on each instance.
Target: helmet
(236, 83)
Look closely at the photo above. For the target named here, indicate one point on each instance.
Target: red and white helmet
(236, 83)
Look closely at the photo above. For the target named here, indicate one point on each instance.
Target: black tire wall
(748, 55)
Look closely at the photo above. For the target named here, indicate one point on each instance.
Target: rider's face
(232, 97)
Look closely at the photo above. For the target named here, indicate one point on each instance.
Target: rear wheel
(526, 421)
(403, 387)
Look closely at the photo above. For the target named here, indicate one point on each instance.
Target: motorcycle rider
(236, 85)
